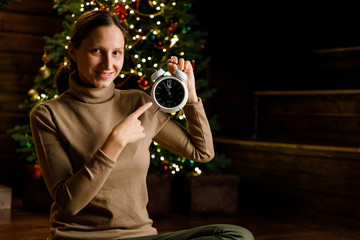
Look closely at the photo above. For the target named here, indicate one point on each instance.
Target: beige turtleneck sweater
(94, 196)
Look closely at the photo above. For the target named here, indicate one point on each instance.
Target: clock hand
(167, 89)
(168, 82)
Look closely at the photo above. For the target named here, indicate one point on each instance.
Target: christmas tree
(157, 30)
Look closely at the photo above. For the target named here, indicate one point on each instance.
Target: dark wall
(22, 27)
(274, 45)
(304, 159)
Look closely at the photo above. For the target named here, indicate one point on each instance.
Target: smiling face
(100, 56)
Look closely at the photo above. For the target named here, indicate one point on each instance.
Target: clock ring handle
(178, 73)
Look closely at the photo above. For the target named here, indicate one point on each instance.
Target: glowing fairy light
(174, 40)
(197, 170)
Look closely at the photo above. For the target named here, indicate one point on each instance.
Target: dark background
(304, 158)
(276, 45)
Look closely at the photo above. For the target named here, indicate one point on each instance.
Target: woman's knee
(235, 232)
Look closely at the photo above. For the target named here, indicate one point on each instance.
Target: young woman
(92, 142)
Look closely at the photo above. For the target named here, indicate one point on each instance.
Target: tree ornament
(172, 27)
(44, 72)
(34, 171)
(188, 5)
(143, 83)
(120, 11)
(33, 94)
(153, 37)
(163, 167)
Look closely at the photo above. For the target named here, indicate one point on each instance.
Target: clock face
(169, 92)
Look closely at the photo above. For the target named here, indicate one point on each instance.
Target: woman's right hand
(127, 131)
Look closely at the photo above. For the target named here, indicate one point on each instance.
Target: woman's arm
(195, 144)
(72, 191)
(128, 131)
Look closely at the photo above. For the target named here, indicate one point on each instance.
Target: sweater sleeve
(71, 191)
(195, 144)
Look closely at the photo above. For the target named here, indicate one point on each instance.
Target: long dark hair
(84, 25)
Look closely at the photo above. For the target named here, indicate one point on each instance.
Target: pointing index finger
(141, 110)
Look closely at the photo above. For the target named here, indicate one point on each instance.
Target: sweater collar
(88, 94)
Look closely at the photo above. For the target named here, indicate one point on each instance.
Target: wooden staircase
(303, 159)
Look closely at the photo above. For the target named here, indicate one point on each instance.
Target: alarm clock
(169, 92)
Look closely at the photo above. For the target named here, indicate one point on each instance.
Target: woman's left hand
(187, 68)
